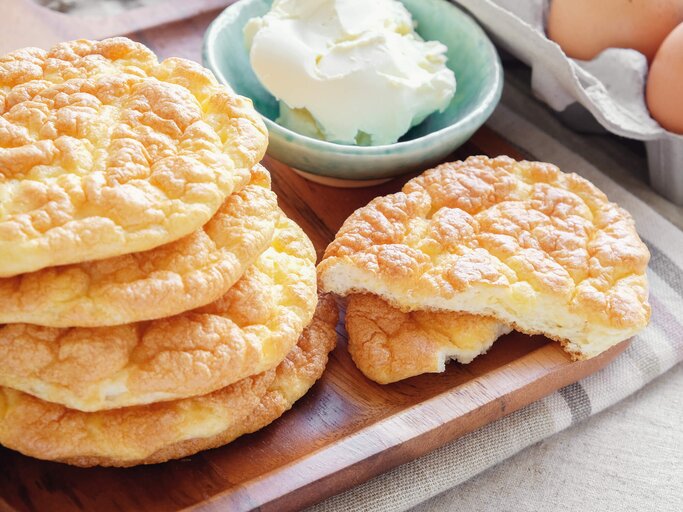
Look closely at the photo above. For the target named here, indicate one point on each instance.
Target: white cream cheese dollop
(348, 71)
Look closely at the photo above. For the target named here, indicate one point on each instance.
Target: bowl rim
(483, 108)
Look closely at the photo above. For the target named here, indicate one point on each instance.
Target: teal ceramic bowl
(471, 56)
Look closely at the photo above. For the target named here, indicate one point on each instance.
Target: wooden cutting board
(344, 431)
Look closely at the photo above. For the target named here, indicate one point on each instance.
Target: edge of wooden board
(410, 433)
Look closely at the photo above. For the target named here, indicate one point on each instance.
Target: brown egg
(664, 93)
(584, 28)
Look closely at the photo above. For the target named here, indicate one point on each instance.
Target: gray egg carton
(609, 87)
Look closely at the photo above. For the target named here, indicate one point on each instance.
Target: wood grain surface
(344, 431)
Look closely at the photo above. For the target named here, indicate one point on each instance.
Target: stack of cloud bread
(470, 250)
(155, 300)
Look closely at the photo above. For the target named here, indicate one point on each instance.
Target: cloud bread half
(248, 330)
(158, 432)
(389, 345)
(539, 249)
(160, 282)
(106, 151)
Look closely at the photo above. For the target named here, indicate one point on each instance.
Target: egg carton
(610, 87)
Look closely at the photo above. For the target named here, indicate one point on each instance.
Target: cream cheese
(348, 71)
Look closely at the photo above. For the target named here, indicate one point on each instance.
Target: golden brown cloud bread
(169, 430)
(389, 345)
(248, 330)
(539, 249)
(160, 282)
(106, 151)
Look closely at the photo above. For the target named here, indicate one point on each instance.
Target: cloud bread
(248, 330)
(539, 249)
(106, 151)
(158, 432)
(160, 282)
(389, 345)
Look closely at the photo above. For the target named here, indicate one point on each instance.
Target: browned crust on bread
(106, 151)
(49, 431)
(388, 344)
(520, 241)
(246, 331)
(160, 282)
